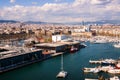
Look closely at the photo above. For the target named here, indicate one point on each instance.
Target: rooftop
(51, 44)
(56, 44)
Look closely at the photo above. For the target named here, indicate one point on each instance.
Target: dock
(98, 69)
(56, 54)
(103, 61)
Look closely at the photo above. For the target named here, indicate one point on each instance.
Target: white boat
(114, 71)
(117, 45)
(94, 70)
(106, 68)
(114, 78)
(83, 44)
(100, 41)
(62, 73)
(108, 61)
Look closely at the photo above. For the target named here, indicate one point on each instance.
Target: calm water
(73, 64)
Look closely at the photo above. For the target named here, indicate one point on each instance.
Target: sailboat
(62, 73)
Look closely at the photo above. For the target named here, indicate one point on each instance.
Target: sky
(62, 11)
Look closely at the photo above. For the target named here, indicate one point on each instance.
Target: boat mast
(61, 62)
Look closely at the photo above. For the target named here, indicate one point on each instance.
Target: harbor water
(73, 64)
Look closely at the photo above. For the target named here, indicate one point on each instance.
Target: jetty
(103, 61)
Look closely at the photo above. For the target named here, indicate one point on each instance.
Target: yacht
(108, 61)
(94, 70)
(99, 41)
(117, 45)
(62, 73)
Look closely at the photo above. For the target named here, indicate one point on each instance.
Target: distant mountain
(34, 22)
(8, 21)
(100, 22)
(72, 23)
(105, 22)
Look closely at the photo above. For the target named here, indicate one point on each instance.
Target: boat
(117, 45)
(62, 73)
(99, 41)
(95, 61)
(83, 45)
(93, 70)
(117, 66)
(114, 71)
(108, 61)
(106, 68)
(73, 49)
(114, 78)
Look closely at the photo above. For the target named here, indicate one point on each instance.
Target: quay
(103, 61)
(12, 57)
(19, 57)
(56, 54)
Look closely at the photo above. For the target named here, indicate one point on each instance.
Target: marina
(60, 40)
(73, 64)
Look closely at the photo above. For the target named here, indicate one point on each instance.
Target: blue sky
(60, 10)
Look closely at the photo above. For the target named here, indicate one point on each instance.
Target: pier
(103, 61)
(95, 62)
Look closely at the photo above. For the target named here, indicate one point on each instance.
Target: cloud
(54, 6)
(100, 2)
(12, 1)
(80, 2)
(79, 10)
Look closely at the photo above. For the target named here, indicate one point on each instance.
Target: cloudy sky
(60, 10)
